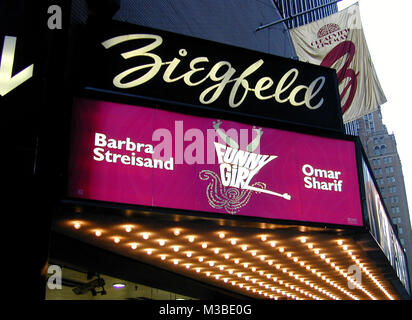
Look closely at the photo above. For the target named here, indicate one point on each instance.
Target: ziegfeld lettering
(222, 75)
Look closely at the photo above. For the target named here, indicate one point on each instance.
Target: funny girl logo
(232, 188)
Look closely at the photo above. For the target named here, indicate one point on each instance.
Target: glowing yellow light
(289, 254)
(187, 266)
(310, 246)
(98, 233)
(197, 270)
(204, 245)
(163, 257)
(244, 247)
(77, 225)
(316, 251)
(216, 250)
(188, 254)
(253, 253)
(273, 244)
(133, 246)
(281, 249)
(191, 238)
(270, 262)
(230, 271)
(208, 273)
(211, 263)
(303, 240)
(227, 256)
(221, 268)
(176, 249)
(245, 265)
(176, 232)
(145, 236)
(127, 228)
(236, 261)
(200, 259)
(262, 258)
(221, 235)
(233, 241)
(345, 248)
(162, 242)
(116, 240)
(253, 269)
(264, 238)
(340, 242)
(149, 251)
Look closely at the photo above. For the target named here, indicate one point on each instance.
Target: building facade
(380, 147)
(118, 223)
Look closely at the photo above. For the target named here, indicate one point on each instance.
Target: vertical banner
(338, 42)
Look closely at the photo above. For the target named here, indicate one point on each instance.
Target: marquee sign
(138, 155)
(140, 61)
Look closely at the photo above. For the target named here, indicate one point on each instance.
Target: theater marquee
(137, 155)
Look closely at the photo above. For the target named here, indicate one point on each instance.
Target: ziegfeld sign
(140, 61)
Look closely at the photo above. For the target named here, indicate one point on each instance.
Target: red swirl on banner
(339, 51)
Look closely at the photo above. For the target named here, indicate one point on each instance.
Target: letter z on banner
(338, 42)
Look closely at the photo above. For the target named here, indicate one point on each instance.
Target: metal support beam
(295, 15)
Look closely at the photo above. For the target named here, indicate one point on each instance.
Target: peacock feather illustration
(229, 198)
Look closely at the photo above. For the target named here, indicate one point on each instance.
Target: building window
(377, 151)
(379, 140)
(402, 242)
(390, 179)
(394, 199)
(395, 210)
(392, 189)
(400, 230)
(387, 160)
(389, 170)
(377, 171)
(376, 162)
(380, 181)
(383, 149)
(382, 189)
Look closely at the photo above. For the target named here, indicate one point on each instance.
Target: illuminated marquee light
(341, 273)
(366, 271)
(261, 273)
(323, 278)
(246, 275)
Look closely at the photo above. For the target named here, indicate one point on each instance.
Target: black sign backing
(141, 61)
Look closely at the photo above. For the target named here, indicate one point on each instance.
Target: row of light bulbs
(244, 248)
(364, 269)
